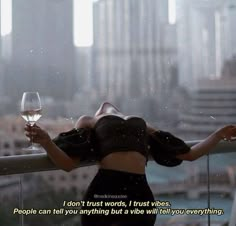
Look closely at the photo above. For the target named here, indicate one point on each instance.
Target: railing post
(232, 221)
(21, 200)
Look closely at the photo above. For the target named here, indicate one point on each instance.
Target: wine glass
(31, 111)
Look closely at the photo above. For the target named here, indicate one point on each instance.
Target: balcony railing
(20, 164)
(40, 162)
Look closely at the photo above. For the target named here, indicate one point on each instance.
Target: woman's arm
(58, 157)
(226, 133)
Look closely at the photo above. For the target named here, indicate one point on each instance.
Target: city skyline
(167, 65)
(136, 52)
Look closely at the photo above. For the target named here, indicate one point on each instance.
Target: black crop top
(112, 133)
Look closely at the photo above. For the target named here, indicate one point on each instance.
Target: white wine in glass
(31, 111)
(31, 116)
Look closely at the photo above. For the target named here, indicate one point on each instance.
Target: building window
(74, 177)
(62, 177)
(6, 145)
(51, 178)
(85, 176)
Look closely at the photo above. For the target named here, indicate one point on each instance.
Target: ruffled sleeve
(164, 146)
(77, 142)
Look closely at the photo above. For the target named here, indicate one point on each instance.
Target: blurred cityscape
(138, 60)
(179, 74)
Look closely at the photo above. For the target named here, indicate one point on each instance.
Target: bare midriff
(129, 161)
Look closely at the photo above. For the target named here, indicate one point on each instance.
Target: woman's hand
(37, 135)
(227, 133)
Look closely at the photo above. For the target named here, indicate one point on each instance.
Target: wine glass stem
(31, 138)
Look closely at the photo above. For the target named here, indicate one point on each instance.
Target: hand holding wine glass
(31, 110)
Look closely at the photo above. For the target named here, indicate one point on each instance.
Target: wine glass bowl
(31, 116)
(31, 111)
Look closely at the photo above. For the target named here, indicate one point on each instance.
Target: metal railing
(18, 164)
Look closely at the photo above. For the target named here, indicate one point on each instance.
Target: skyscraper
(205, 39)
(131, 54)
(42, 50)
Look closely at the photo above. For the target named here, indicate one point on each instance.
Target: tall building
(42, 51)
(229, 35)
(206, 37)
(134, 48)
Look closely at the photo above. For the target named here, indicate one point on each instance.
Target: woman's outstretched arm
(58, 157)
(226, 133)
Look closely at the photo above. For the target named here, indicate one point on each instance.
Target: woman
(121, 145)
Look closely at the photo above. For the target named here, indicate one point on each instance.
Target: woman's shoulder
(85, 121)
